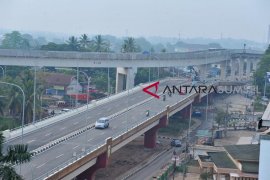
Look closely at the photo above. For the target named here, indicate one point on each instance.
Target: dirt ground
(233, 137)
(128, 157)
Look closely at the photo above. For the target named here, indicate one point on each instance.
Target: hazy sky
(247, 19)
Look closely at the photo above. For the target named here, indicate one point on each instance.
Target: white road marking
(90, 139)
(75, 123)
(102, 133)
(30, 141)
(59, 156)
(124, 122)
(63, 128)
(48, 134)
(75, 147)
(41, 165)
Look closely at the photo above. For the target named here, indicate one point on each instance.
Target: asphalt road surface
(59, 129)
(48, 160)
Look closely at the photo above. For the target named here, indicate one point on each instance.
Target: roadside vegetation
(177, 125)
(264, 66)
(15, 154)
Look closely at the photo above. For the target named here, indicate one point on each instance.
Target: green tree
(84, 42)
(24, 80)
(264, 66)
(129, 45)
(15, 102)
(100, 45)
(73, 44)
(220, 117)
(16, 154)
(15, 40)
(51, 46)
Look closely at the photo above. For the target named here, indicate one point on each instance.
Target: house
(233, 162)
(55, 83)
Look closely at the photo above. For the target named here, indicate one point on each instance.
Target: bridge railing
(72, 112)
(72, 160)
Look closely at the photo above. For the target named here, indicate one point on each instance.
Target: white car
(102, 123)
(65, 110)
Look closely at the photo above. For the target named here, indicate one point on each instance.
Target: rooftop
(250, 167)
(56, 79)
(221, 160)
(247, 152)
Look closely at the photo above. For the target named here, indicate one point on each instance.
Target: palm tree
(73, 43)
(15, 102)
(16, 154)
(100, 45)
(25, 80)
(84, 42)
(130, 45)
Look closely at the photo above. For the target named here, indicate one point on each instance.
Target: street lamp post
(22, 104)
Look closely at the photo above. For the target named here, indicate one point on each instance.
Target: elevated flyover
(13, 57)
(128, 63)
(86, 152)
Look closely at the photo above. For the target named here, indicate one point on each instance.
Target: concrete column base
(125, 78)
(89, 174)
(150, 136)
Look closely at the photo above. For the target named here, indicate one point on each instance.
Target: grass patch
(176, 126)
(8, 123)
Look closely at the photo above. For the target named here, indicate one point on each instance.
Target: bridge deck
(48, 160)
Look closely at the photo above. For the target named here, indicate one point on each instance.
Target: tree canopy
(264, 66)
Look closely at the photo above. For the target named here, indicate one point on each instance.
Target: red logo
(150, 86)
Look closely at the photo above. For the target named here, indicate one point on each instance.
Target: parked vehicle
(65, 110)
(176, 143)
(102, 123)
(197, 113)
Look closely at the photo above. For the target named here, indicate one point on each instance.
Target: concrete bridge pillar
(241, 68)
(102, 162)
(125, 78)
(233, 69)
(150, 136)
(248, 68)
(223, 70)
(203, 71)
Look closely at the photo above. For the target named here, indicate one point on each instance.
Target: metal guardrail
(71, 161)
